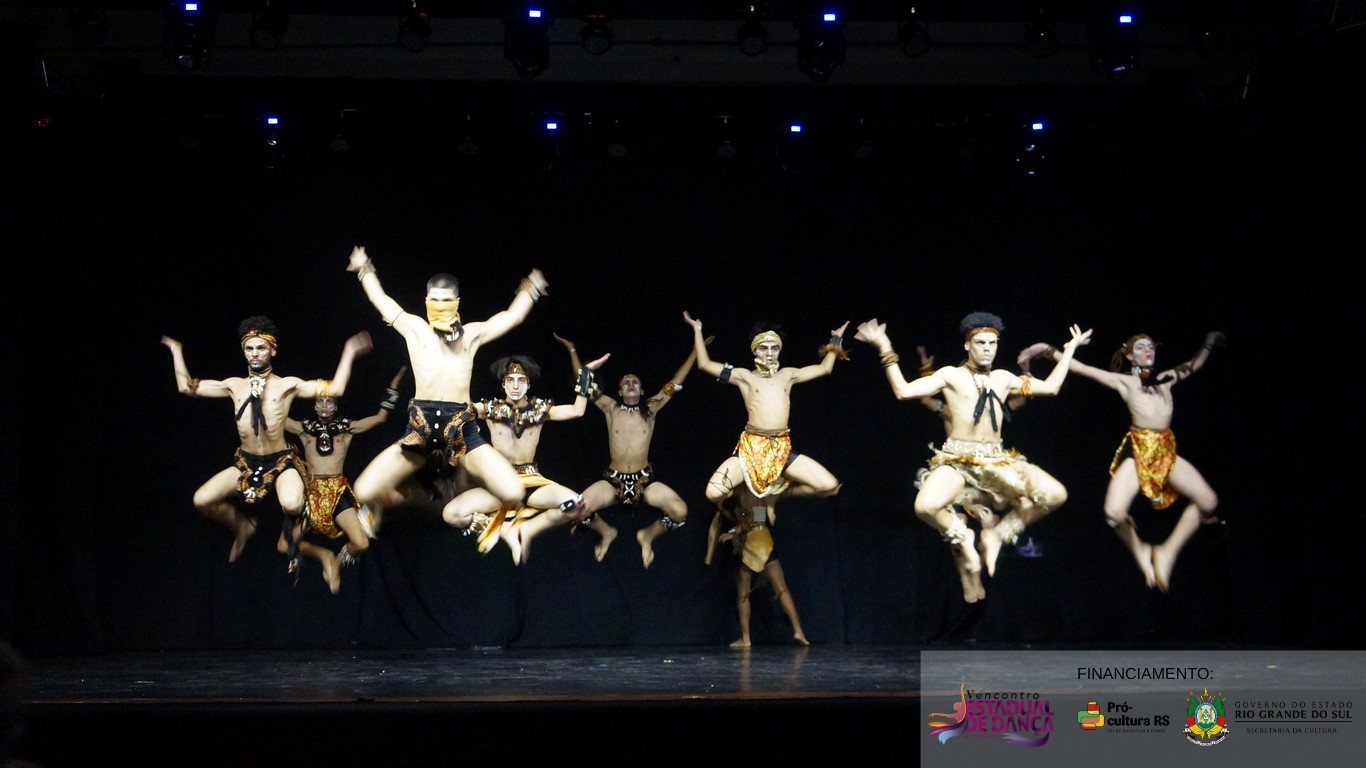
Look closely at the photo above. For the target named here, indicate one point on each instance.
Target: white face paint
(516, 386)
(325, 407)
(1143, 353)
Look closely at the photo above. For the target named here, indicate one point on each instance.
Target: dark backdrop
(150, 218)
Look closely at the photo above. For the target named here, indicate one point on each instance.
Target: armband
(530, 288)
(724, 375)
(323, 386)
(926, 370)
(890, 358)
(585, 386)
(835, 345)
(192, 386)
(390, 400)
(672, 389)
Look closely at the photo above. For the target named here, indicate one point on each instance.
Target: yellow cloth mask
(443, 314)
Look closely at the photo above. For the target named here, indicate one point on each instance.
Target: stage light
(87, 25)
(914, 39)
(1112, 37)
(596, 36)
(414, 27)
(526, 43)
(793, 149)
(1032, 155)
(820, 45)
(268, 28)
(752, 36)
(188, 34)
(273, 142)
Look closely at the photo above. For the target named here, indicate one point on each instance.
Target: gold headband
(516, 368)
(268, 338)
(764, 338)
(980, 328)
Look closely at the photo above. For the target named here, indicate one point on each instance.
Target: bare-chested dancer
(629, 479)
(763, 458)
(973, 469)
(441, 429)
(1146, 461)
(515, 423)
(332, 512)
(265, 460)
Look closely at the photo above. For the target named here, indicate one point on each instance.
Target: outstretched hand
(1215, 339)
(926, 361)
(1079, 337)
(840, 330)
(398, 377)
(1030, 352)
(569, 345)
(359, 258)
(172, 344)
(690, 320)
(872, 332)
(596, 364)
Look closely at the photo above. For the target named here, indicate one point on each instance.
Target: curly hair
(977, 320)
(258, 325)
(499, 368)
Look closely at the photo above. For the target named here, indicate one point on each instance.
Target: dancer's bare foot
(969, 568)
(741, 643)
(245, 528)
(800, 637)
(990, 544)
(1162, 567)
(600, 551)
(647, 549)
(331, 572)
(1144, 556)
(512, 536)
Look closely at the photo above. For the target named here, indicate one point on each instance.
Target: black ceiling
(1157, 11)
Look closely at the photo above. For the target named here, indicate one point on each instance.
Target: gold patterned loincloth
(1154, 452)
(324, 491)
(764, 457)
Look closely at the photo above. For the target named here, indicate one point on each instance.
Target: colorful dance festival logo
(1021, 719)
